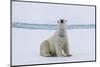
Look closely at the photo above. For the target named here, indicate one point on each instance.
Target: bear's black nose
(62, 21)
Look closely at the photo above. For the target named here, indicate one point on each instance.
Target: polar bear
(57, 45)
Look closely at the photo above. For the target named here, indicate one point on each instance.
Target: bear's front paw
(64, 54)
(47, 55)
(69, 55)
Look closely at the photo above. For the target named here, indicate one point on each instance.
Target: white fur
(57, 45)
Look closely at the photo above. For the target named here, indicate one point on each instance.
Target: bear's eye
(57, 21)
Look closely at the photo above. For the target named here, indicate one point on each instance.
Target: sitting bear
(57, 45)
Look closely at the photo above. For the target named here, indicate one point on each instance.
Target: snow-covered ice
(26, 42)
(26, 46)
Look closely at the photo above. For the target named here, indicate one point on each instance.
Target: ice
(26, 46)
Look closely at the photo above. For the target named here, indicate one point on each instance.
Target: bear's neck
(61, 32)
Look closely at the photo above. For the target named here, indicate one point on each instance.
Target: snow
(26, 42)
(26, 46)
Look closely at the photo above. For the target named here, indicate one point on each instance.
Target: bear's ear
(57, 21)
(65, 20)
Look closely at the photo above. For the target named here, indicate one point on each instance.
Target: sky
(40, 13)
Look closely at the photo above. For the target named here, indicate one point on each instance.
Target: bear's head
(61, 27)
(61, 23)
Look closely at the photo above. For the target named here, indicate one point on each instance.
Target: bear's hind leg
(45, 49)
